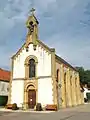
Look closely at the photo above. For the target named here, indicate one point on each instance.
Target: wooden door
(31, 98)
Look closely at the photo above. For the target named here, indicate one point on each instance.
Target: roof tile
(4, 75)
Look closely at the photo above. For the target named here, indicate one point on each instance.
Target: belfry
(32, 25)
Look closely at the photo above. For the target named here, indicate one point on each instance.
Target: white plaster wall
(17, 94)
(4, 88)
(44, 62)
(45, 91)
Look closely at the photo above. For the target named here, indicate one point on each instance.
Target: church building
(38, 75)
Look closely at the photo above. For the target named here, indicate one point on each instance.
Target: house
(4, 86)
(86, 92)
(40, 76)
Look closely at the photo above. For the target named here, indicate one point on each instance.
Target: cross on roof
(32, 11)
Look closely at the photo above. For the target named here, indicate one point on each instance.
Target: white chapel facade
(40, 76)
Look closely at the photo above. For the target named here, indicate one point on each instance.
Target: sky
(63, 25)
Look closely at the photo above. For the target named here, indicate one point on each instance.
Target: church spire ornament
(32, 25)
(32, 11)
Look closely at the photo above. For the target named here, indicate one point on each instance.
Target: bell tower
(32, 26)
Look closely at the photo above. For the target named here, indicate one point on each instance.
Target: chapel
(39, 75)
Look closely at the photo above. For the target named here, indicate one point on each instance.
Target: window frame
(32, 66)
(26, 64)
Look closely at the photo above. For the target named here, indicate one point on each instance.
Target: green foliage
(84, 75)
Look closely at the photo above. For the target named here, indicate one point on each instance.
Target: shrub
(14, 107)
(38, 107)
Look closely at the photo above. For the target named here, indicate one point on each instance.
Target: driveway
(81, 112)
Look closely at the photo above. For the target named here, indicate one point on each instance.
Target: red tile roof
(4, 75)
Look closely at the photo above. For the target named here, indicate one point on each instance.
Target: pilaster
(77, 90)
(80, 94)
(74, 90)
(53, 72)
(63, 87)
(68, 89)
(10, 83)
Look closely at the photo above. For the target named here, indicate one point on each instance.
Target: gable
(39, 43)
(43, 56)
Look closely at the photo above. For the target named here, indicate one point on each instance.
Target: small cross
(32, 11)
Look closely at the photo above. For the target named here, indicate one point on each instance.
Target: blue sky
(64, 25)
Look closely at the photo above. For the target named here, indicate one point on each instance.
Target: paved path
(76, 113)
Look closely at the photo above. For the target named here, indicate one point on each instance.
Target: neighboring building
(4, 86)
(86, 93)
(40, 76)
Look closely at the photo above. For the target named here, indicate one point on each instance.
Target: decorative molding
(34, 78)
(19, 78)
(31, 57)
(39, 43)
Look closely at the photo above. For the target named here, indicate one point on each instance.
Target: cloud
(64, 25)
(75, 51)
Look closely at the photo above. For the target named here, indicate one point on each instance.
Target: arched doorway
(30, 95)
(31, 98)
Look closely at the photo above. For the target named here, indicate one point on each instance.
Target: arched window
(57, 75)
(64, 78)
(70, 80)
(32, 68)
(75, 82)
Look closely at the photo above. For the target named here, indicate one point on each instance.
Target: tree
(84, 75)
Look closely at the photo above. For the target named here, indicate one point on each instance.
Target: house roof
(4, 75)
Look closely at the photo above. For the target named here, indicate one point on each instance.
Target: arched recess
(57, 75)
(30, 95)
(27, 65)
(57, 87)
(76, 89)
(71, 90)
(29, 85)
(31, 57)
(65, 90)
